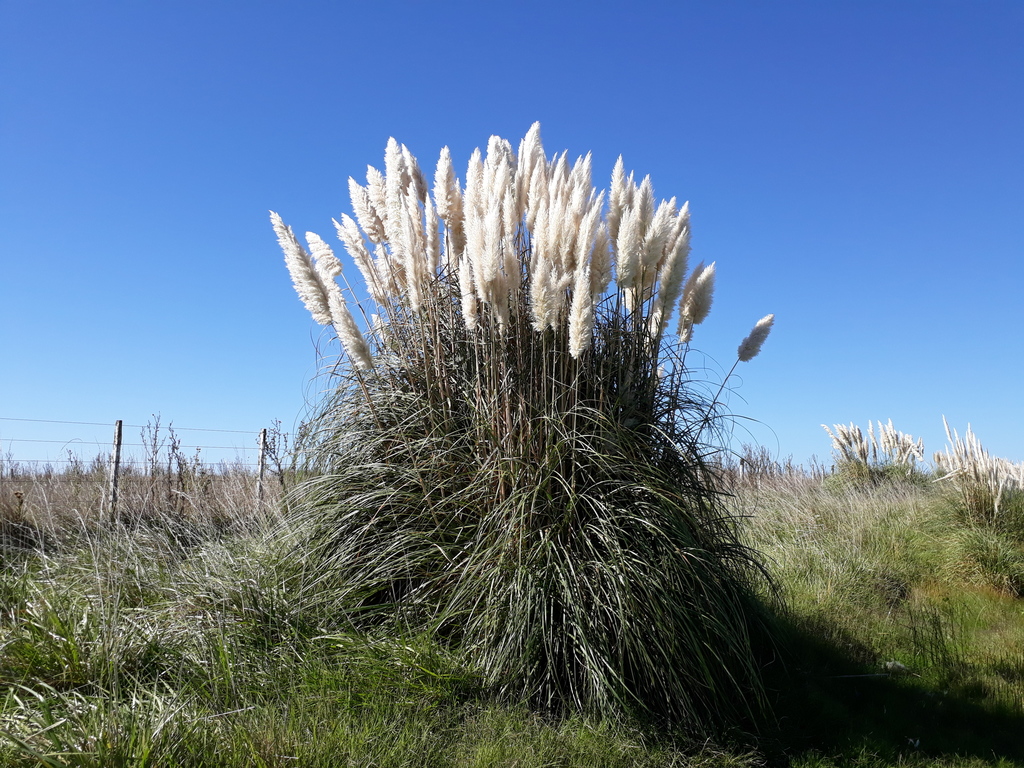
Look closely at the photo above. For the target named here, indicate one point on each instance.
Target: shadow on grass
(831, 697)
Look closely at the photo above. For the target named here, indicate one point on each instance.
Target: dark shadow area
(830, 695)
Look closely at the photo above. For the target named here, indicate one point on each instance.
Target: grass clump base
(562, 528)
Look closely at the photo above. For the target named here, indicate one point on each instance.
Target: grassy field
(187, 636)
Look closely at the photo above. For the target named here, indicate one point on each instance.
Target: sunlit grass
(141, 646)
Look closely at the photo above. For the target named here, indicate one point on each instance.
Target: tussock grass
(515, 456)
(582, 562)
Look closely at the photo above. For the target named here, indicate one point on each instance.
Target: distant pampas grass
(884, 452)
(984, 482)
(517, 457)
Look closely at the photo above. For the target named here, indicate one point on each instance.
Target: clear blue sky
(857, 168)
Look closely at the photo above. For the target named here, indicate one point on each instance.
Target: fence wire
(160, 446)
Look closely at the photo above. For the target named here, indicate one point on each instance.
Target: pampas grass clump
(984, 482)
(516, 458)
(884, 452)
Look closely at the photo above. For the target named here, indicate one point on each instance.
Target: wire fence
(39, 443)
(167, 469)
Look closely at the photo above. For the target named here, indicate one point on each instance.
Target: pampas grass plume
(365, 211)
(328, 267)
(698, 295)
(307, 283)
(349, 235)
(348, 332)
(751, 345)
(581, 313)
(627, 248)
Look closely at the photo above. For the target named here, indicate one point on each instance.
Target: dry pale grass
(52, 507)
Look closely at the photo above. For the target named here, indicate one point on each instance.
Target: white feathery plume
(644, 203)
(307, 282)
(467, 292)
(581, 312)
(488, 274)
(412, 253)
(495, 249)
(601, 261)
(349, 235)
(682, 222)
(493, 159)
(587, 230)
(325, 263)
(558, 291)
(473, 207)
(390, 273)
(582, 172)
(620, 197)
(751, 345)
(627, 247)
(539, 239)
(415, 237)
(542, 295)
(511, 214)
(703, 294)
(328, 267)
(444, 181)
(500, 187)
(553, 235)
(414, 177)
(448, 198)
(473, 200)
(671, 281)
(394, 189)
(531, 154)
(698, 295)
(366, 213)
(558, 173)
(657, 235)
(376, 188)
(652, 253)
(685, 328)
(348, 332)
(575, 212)
(476, 242)
(432, 237)
(512, 267)
(538, 195)
(849, 444)
(571, 243)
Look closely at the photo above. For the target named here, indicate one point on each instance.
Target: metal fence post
(262, 464)
(115, 466)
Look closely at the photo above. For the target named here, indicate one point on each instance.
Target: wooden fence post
(115, 466)
(262, 464)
